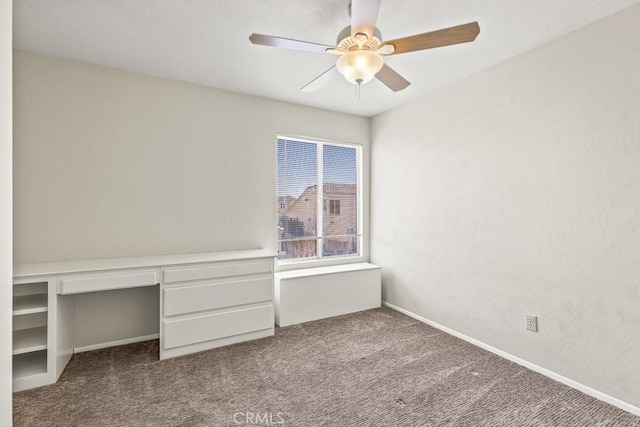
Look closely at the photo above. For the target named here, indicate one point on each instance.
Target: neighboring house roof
(332, 188)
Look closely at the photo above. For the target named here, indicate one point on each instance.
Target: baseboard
(115, 343)
(547, 373)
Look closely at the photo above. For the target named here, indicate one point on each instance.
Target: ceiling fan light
(359, 66)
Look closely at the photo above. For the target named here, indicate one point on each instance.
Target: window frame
(320, 259)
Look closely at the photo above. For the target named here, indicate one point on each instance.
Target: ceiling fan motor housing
(346, 42)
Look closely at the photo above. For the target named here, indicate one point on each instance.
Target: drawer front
(107, 281)
(189, 299)
(212, 271)
(209, 327)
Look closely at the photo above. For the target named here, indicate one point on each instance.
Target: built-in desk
(207, 300)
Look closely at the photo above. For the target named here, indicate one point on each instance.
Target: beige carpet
(375, 368)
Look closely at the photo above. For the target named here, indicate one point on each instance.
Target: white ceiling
(206, 41)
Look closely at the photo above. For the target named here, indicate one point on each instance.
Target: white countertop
(65, 267)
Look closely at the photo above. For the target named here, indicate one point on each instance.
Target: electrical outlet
(532, 323)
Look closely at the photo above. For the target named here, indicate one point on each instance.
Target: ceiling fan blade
(364, 14)
(391, 79)
(274, 41)
(445, 37)
(321, 80)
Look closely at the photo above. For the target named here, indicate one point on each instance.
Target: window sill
(288, 265)
(330, 269)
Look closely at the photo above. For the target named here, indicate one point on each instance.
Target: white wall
(6, 168)
(110, 163)
(518, 191)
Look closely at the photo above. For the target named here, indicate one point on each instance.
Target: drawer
(209, 327)
(213, 271)
(188, 299)
(107, 281)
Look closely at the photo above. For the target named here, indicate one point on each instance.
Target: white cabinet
(214, 326)
(318, 293)
(216, 270)
(210, 305)
(210, 296)
(38, 359)
(207, 300)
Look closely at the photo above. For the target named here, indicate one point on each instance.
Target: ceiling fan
(361, 49)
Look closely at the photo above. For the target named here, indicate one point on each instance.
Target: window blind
(313, 175)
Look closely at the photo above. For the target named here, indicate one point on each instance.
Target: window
(334, 207)
(318, 199)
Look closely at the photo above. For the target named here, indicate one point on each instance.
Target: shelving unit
(31, 322)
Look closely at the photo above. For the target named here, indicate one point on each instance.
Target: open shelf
(29, 340)
(30, 288)
(27, 304)
(29, 364)
(31, 355)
